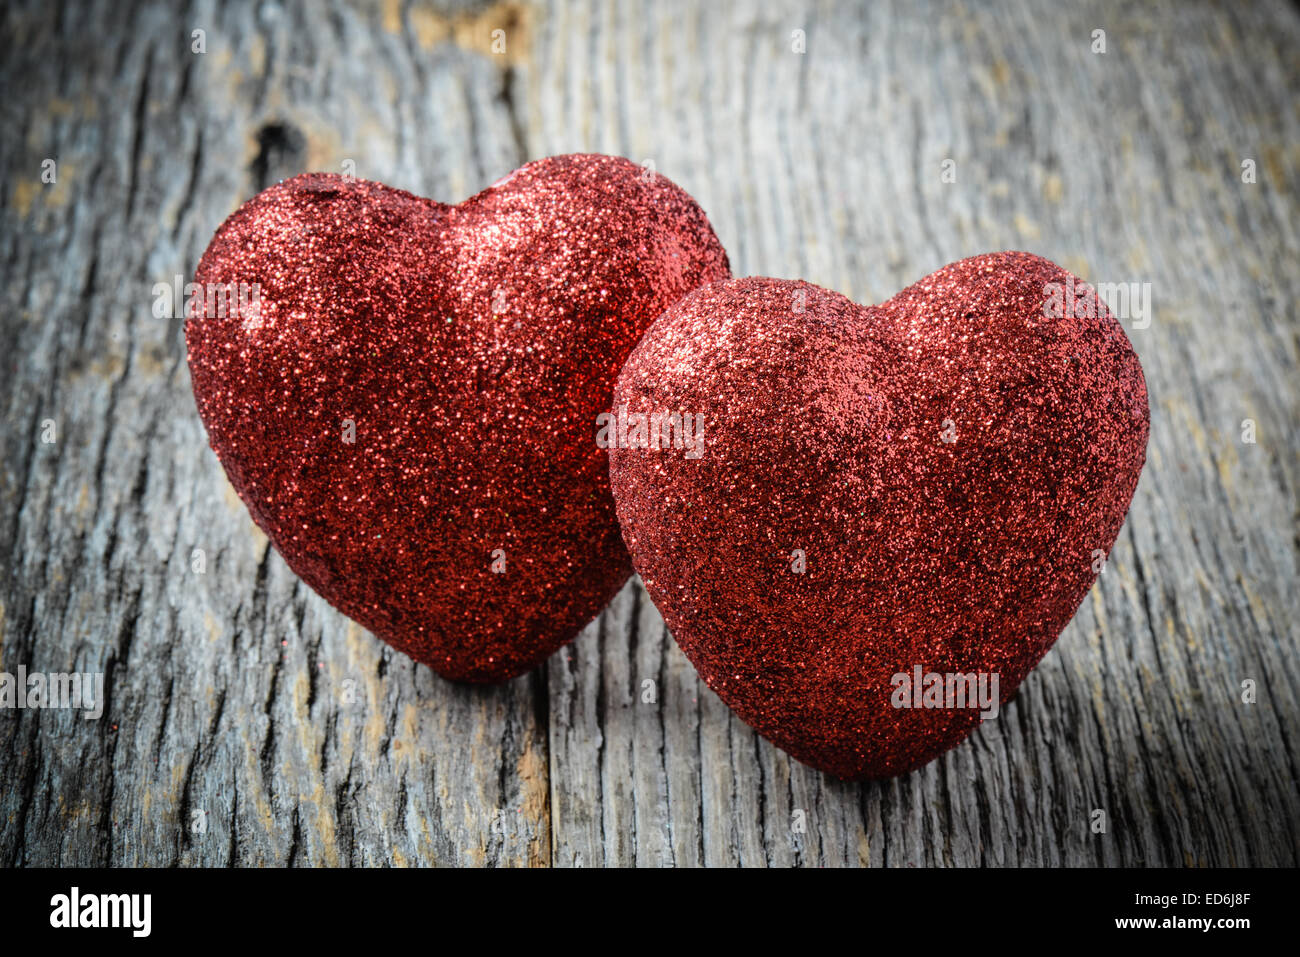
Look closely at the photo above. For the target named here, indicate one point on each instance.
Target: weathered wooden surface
(229, 697)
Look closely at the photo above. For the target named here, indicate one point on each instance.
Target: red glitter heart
(407, 403)
(927, 484)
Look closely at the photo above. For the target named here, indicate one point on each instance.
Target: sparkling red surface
(824, 432)
(472, 346)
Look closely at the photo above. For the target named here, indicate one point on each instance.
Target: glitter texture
(949, 465)
(408, 405)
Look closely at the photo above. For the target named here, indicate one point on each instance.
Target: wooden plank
(239, 701)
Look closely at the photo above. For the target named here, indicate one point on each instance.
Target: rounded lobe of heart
(928, 483)
(406, 397)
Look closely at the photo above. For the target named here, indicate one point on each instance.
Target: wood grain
(249, 723)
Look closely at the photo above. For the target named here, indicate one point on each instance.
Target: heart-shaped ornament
(403, 392)
(866, 525)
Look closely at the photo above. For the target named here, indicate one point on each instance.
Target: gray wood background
(249, 723)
